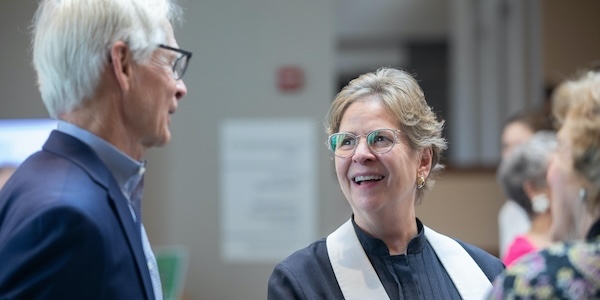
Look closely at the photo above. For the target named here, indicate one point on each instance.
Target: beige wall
(465, 204)
(571, 37)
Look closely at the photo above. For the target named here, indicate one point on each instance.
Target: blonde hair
(400, 93)
(582, 122)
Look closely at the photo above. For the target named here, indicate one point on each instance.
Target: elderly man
(70, 224)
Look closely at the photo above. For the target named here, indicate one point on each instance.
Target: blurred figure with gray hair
(513, 220)
(522, 175)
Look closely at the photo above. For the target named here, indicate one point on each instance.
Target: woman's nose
(362, 151)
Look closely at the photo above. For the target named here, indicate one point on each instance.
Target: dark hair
(536, 120)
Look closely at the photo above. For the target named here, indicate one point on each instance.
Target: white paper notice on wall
(268, 188)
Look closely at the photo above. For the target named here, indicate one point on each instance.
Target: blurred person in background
(70, 217)
(386, 142)
(569, 269)
(513, 220)
(522, 175)
(5, 173)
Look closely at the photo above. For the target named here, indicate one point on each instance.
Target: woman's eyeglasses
(380, 141)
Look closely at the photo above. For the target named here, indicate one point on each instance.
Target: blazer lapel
(133, 234)
(81, 154)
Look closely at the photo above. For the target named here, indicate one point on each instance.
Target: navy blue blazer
(66, 230)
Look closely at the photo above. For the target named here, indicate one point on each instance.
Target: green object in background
(172, 266)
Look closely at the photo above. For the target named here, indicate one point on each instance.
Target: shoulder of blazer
(489, 264)
(79, 153)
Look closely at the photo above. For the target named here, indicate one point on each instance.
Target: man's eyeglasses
(181, 63)
(380, 141)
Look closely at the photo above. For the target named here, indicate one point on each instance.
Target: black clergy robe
(308, 274)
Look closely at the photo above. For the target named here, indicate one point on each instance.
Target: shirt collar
(127, 171)
(375, 246)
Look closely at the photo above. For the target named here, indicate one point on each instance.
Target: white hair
(527, 162)
(72, 38)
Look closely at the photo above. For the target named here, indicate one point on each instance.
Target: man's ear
(122, 64)
(425, 162)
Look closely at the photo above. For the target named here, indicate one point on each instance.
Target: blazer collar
(82, 155)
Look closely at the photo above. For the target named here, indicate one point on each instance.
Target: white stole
(358, 280)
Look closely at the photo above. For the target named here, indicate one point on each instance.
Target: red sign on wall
(290, 79)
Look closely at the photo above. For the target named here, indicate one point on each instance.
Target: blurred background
(247, 178)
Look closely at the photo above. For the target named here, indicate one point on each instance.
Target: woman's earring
(420, 182)
(540, 203)
(582, 194)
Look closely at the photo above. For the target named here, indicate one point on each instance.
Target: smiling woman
(386, 143)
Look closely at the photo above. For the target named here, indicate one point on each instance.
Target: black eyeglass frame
(184, 53)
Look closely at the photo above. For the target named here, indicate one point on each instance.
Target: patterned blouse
(563, 271)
